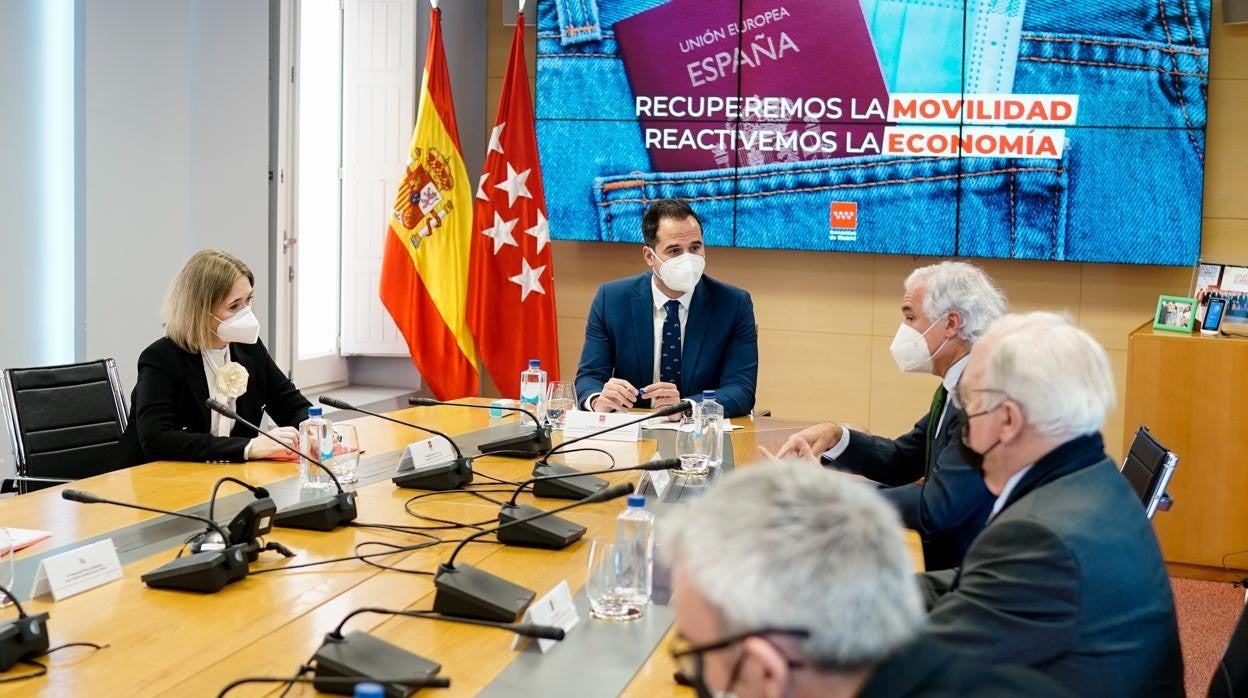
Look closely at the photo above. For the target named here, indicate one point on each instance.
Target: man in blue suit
(945, 308)
(670, 333)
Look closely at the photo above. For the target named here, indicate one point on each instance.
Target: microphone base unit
(528, 445)
(360, 654)
(575, 487)
(204, 572)
(550, 532)
(23, 638)
(320, 514)
(250, 523)
(467, 592)
(439, 478)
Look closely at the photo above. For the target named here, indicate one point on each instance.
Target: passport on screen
(732, 83)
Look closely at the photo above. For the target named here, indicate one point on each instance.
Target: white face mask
(682, 272)
(243, 328)
(909, 349)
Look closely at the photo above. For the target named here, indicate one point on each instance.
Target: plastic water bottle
(533, 390)
(316, 435)
(712, 423)
(634, 544)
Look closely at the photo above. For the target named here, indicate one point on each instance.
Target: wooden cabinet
(1191, 391)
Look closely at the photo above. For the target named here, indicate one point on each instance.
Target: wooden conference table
(184, 644)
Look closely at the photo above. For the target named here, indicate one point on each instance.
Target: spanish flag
(424, 270)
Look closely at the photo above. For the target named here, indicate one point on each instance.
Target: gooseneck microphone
(446, 476)
(555, 481)
(361, 654)
(682, 406)
(525, 445)
(579, 484)
(319, 514)
(252, 522)
(205, 572)
(467, 592)
(553, 532)
(24, 637)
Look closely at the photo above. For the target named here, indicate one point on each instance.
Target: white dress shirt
(1005, 492)
(950, 381)
(220, 425)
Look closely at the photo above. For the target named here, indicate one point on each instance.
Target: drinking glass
(693, 447)
(561, 398)
(610, 596)
(346, 461)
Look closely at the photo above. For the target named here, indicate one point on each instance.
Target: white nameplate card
(426, 454)
(662, 481)
(77, 571)
(578, 423)
(555, 608)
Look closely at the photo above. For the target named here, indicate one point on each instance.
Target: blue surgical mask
(919, 48)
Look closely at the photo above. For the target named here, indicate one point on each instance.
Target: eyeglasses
(690, 658)
(958, 400)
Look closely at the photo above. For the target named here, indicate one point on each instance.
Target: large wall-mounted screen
(1024, 129)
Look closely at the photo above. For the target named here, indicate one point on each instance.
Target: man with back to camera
(1067, 576)
(945, 309)
(669, 333)
(795, 581)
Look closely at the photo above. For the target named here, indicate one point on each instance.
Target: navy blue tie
(669, 354)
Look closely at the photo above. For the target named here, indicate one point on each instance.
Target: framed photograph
(1175, 313)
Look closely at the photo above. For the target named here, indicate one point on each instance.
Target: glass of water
(693, 447)
(611, 595)
(346, 461)
(560, 399)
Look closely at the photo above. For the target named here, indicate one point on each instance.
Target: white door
(312, 239)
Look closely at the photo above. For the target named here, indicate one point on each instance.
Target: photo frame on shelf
(1215, 279)
(1175, 314)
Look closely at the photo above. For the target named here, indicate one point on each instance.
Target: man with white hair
(1067, 576)
(945, 308)
(794, 581)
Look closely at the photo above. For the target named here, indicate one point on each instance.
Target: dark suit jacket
(168, 418)
(949, 508)
(928, 667)
(1067, 579)
(720, 351)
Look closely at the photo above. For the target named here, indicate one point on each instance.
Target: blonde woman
(211, 348)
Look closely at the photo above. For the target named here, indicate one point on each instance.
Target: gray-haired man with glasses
(1067, 576)
(794, 581)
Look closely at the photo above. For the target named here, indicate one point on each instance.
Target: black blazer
(948, 508)
(1067, 579)
(931, 668)
(168, 418)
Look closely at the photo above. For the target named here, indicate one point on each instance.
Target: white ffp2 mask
(682, 272)
(909, 349)
(243, 327)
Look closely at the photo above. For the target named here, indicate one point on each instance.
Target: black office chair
(64, 422)
(1148, 467)
(1231, 677)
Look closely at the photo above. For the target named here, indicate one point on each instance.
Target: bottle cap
(535, 363)
(314, 411)
(368, 689)
(708, 394)
(637, 501)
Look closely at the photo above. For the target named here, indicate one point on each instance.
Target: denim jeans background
(1127, 189)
